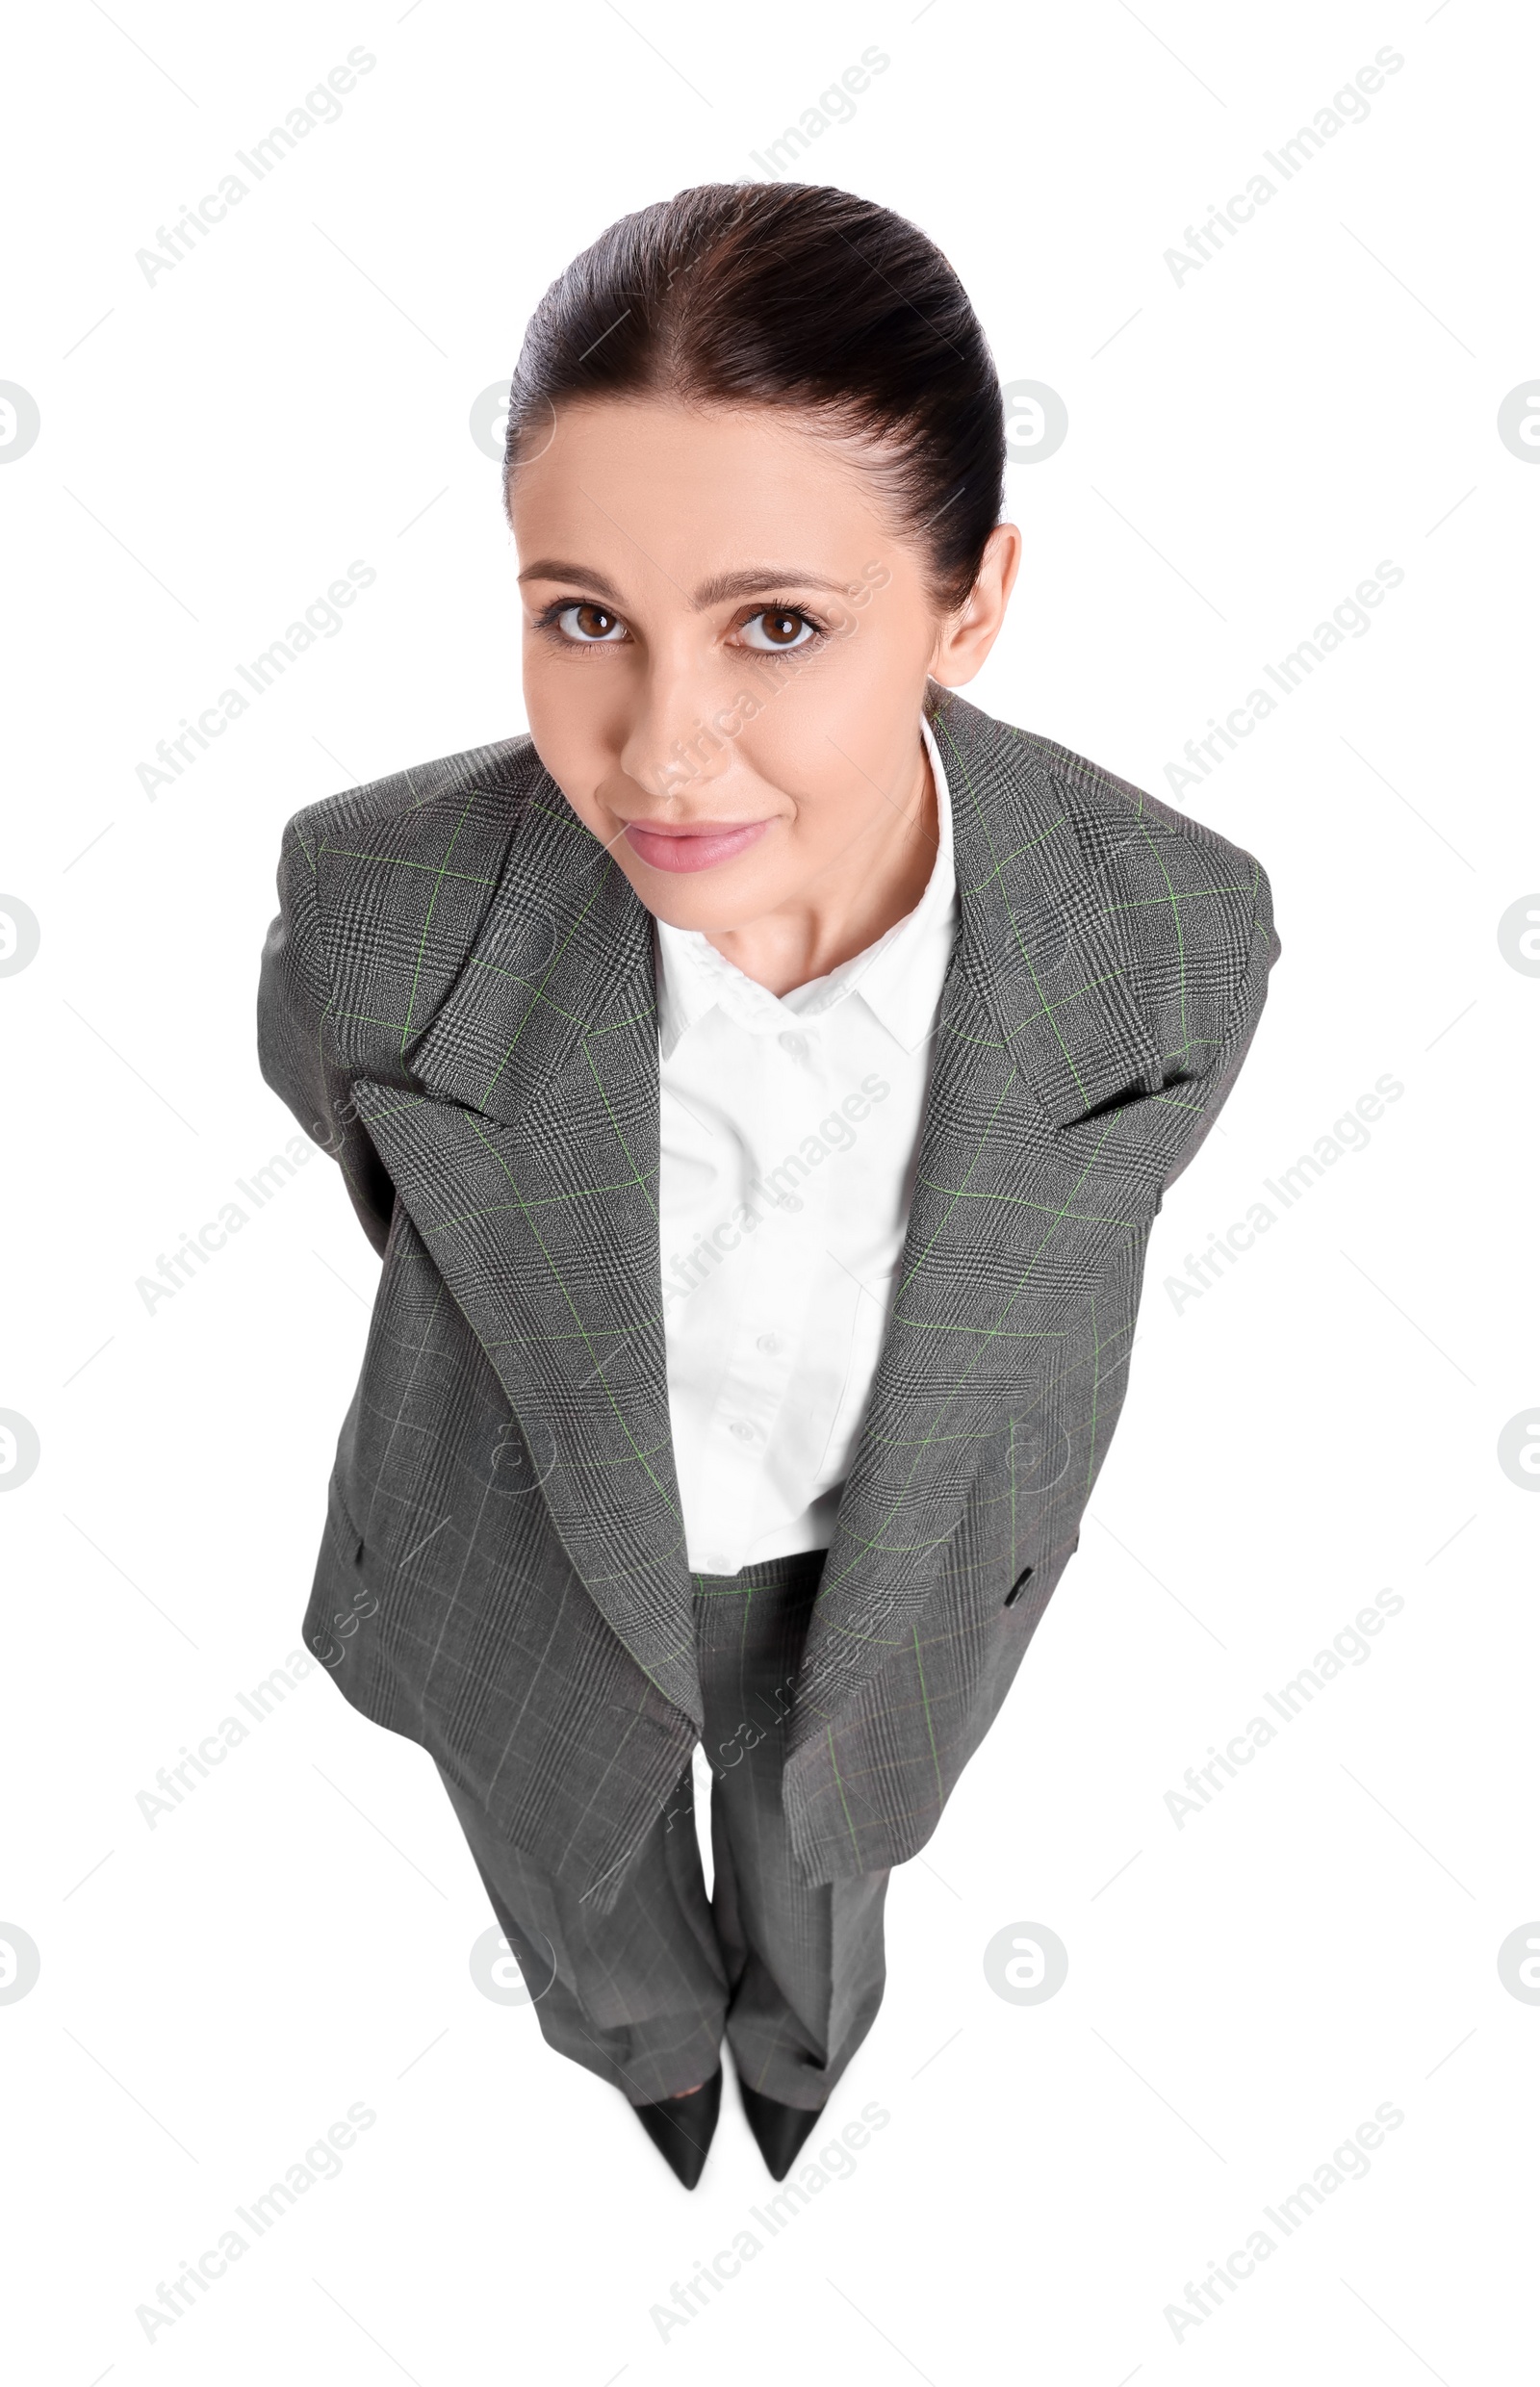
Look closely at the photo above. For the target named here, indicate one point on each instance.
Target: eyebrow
(552, 568)
(757, 581)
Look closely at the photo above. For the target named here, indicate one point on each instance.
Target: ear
(967, 636)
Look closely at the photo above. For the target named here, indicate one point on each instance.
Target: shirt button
(769, 1343)
(791, 1042)
(744, 1431)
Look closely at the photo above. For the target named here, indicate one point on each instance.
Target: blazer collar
(564, 950)
(1035, 942)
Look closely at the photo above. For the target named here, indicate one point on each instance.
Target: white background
(1245, 445)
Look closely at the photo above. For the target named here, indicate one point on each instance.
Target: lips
(699, 847)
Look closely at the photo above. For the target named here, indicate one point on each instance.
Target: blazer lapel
(1021, 1192)
(529, 1168)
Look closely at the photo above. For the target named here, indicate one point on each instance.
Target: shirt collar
(693, 978)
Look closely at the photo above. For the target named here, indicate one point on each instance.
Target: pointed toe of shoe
(780, 2131)
(681, 2128)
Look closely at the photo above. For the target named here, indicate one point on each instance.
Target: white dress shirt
(788, 1131)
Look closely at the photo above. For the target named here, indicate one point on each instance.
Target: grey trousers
(792, 1973)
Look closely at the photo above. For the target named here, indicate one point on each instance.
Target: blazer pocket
(1019, 1585)
(1142, 1113)
(344, 1533)
(1131, 1143)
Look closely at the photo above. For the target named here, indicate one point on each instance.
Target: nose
(673, 742)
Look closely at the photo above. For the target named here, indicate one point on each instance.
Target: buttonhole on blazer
(1019, 1587)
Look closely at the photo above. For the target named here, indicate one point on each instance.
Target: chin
(699, 908)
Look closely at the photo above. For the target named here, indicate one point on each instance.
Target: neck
(848, 906)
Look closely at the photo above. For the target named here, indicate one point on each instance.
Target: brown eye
(591, 625)
(777, 630)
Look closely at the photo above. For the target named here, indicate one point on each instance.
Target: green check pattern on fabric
(457, 999)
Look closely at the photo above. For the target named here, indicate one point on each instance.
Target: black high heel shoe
(681, 2128)
(780, 2130)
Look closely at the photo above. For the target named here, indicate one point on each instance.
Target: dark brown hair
(790, 295)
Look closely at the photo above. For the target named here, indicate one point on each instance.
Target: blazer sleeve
(1214, 1088)
(296, 1039)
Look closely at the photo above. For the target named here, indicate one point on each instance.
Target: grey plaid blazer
(457, 1001)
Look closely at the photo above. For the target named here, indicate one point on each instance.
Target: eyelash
(548, 620)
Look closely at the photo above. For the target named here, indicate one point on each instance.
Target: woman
(759, 1081)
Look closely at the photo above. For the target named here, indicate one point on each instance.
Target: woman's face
(726, 650)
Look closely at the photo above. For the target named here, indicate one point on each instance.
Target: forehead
(696, 490)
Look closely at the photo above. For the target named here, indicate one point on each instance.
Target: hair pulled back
(789, 295)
